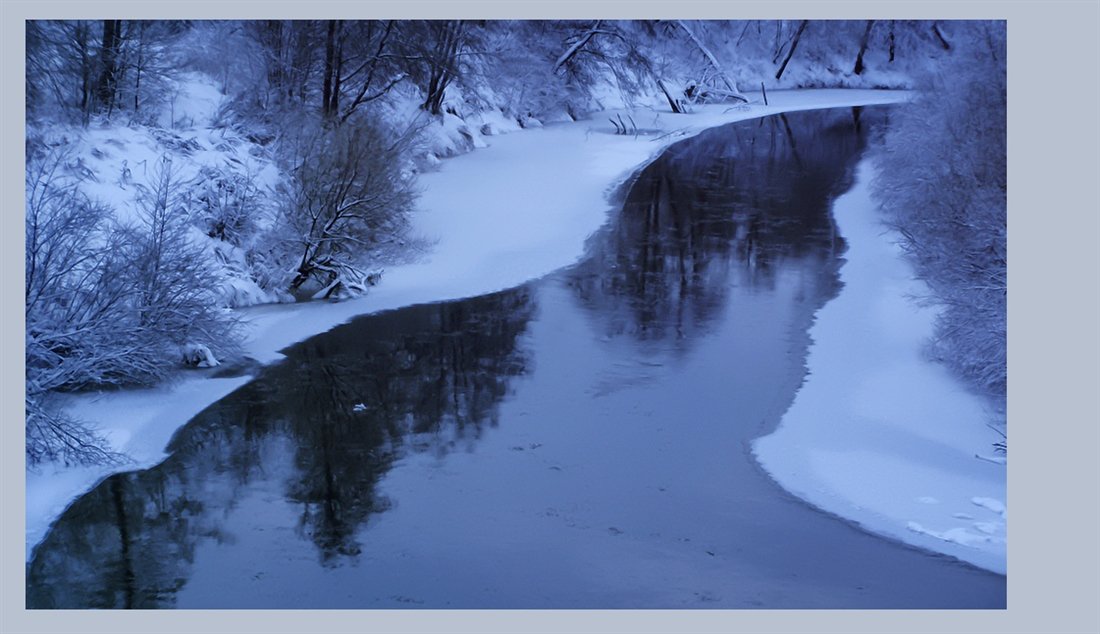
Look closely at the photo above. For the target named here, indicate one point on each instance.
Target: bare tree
(790, 51)
(863, 43)
(432, 52)
(77, 320)
(349, 195)
(360, 65)
(176, 306)
(61, 68)
(110, 45)
(76, 298)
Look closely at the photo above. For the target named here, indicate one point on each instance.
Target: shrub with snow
(348, 196)
(107, 304)
(943, 183)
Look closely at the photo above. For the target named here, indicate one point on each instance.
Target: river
(581, 441)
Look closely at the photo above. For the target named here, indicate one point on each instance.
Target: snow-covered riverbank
(878, 433)
(499, 216)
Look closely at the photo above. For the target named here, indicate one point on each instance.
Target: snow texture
(116, 160)
(513, 211)
(878, 433)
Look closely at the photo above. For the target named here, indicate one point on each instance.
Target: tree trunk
(137, 67)
(272, 37)
(444, 59)
(891, 40)
(671, 100)
(939, 35)
(794, 45)
(303, 61)
(334, 100)
(108, 61)
(863, 47)
(434, 99)
(85, 72)
(779, 43)
(326, 85)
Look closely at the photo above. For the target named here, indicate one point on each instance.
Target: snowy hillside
(217, 166)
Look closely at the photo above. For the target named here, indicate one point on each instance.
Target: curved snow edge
(878, 434)
(501, 217)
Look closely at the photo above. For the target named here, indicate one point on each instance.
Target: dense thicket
(943, 181)
(83, 69)
(124, 290)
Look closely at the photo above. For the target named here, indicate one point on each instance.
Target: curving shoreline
(878, 434)
(523, 228)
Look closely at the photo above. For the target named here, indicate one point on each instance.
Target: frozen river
(581, 441)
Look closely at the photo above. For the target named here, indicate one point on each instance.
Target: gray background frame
(1054, 317)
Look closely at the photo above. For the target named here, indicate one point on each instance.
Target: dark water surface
(578, 442)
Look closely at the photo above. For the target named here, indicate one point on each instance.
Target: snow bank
(500, 216)
(878, 433)
(137, 422)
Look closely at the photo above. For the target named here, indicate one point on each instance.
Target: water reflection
(318, 430)
(729, 207)
(731, 228)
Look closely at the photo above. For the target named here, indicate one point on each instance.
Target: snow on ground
(878, 433)
(499, 216)
(115, 160)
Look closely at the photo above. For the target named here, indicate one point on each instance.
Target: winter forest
(184, 177)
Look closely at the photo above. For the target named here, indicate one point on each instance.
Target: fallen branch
(734, 92)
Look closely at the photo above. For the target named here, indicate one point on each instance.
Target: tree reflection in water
(319, 430)
(730, 206)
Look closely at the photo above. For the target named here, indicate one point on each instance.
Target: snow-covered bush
(943, 183)
(176, 301)
(348, 196)
(229, 204)
(106, 305)
(77, 297)
(75, 308)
